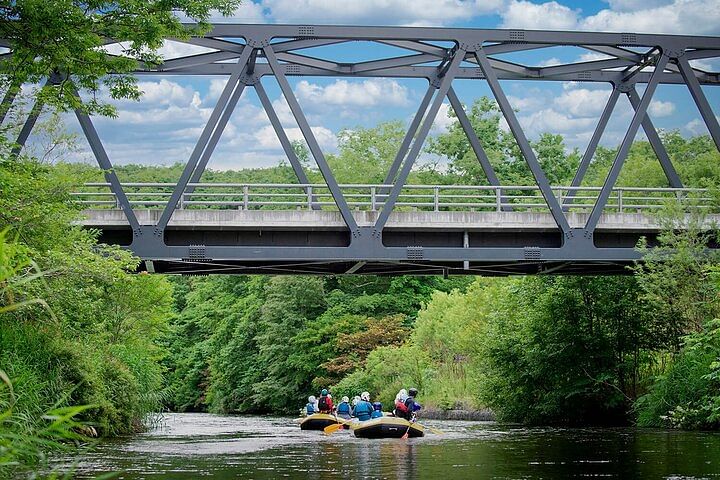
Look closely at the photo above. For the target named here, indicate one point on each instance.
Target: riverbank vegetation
(87, 332)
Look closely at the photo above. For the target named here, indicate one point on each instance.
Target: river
(192, 445)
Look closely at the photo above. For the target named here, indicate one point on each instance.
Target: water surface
(191, 445)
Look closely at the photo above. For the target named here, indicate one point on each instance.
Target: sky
(163, 127)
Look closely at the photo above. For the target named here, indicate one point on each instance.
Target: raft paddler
(343, 409)
(411, 406)
(364, 409)
(325, 404)
(311, 407)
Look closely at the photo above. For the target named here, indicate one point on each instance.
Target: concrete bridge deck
(227, 228)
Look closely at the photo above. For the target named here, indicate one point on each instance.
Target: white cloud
(550, 120)
(696, 17)
(592, 57)
(442, 120)
(545, 16)
(582, 102)
(659, 108)
(550, 62)
(379, 12)
(532, 102)
(366, 94)
(704, 64)
(267, 139)
(632, 5)
(247, 12)
(166, 92)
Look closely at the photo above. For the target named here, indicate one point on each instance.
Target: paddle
(330, 429)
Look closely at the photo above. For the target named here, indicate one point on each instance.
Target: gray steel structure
(248, 53)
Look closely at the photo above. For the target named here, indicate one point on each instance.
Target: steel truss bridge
(555, 229)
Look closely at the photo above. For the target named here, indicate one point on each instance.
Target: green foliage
(680, 282)
(686, 395)
(80, 340)
(565, 350)
(365, 154)
(263, 344)
(67, 36)
(696, 160)
(501, 149)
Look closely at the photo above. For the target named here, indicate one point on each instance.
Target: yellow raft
(387, 427)
(318, 421)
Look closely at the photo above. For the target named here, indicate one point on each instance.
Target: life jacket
(325, 404)
(363, 410)
(343, 408)
(400, 408)
(310, 408)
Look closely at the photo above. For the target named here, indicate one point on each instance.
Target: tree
(67, 37)
(365, 154)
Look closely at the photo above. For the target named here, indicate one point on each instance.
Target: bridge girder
(247, 54)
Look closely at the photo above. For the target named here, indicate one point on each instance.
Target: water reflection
(223, 447)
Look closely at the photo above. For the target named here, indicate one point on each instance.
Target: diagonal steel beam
(300, 44)
(29, 124)
(583, 67)
(475, 143)
(655, 142)
(311, 141)
(193, 60)
(282, 136)
(393, 62)
(416, 46)
(472, 137)
(104, 163)
(307, 61)
(412, 129)
(625, 145)
(7, 101)
(399, 183)
(216, 43)
(700, 100)
(216, 134)
(232, 84)
(513, 47)
(593, 144)
(523, 143)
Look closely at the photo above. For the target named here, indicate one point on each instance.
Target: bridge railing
(369, 197)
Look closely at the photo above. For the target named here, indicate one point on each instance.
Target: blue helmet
(324, 391)
(377, 406)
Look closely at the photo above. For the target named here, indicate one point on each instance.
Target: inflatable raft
(318, 421)
(387, 427)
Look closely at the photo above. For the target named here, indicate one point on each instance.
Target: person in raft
(377, 410)
(343, 409)
(310, 407)
(411, 406)
(400, 409)
(325, 404)
(364, 408)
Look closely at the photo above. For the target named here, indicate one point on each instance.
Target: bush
(687, 395)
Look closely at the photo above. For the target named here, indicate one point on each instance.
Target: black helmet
(413, 392)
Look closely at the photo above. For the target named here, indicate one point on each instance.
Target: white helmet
(365, 396)
(345, 399)
(403, 395)
(355, 401)
(312, 399)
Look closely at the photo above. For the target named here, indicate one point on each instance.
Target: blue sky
(163, 127)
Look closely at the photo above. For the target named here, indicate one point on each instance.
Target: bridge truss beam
(248, 54)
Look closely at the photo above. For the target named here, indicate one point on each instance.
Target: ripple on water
(220, 446)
